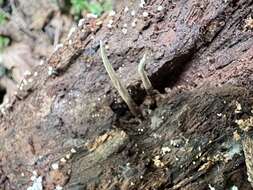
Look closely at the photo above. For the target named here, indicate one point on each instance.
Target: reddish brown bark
(199, 49)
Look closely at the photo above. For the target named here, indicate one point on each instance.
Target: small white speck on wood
(160, 8)
(145, 14)
(55, 166)
(73, 150)
(124, 31)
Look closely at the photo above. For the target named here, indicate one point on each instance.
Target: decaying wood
(74, 130)
(248, 152)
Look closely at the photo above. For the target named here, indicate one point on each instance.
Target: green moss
(95, 7)
(2, 18)
(78, 6)
(4, 42)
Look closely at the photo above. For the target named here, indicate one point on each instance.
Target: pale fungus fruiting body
(145, 80)
(117, 84)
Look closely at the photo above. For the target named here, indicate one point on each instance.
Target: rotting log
(72, 128)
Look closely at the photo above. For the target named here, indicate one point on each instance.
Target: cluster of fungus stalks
(123, 92)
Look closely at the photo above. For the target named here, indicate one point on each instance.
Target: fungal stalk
(144, 78)
(117, 84)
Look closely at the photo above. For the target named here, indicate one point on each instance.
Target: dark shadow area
(169, 74)
(2, 94)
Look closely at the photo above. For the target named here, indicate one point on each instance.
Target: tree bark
(73, 129)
